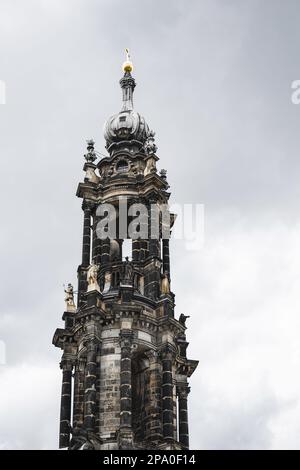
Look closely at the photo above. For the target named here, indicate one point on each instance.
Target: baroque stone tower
(124, 365)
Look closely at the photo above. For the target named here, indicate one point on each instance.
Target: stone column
(144, 243)
(86, 241)
(152, 278)
(143, 249)
(166, 256)
(95, 248)
(78, 393)
(86, 249)
(167, 393)
(99, 250)
(97, 408)
(154, 243)
(154, 246)
(153, 412)
(136, 249)
(121, 242)
(90, 387)
(65, 407)
(126, 337)
(182, 392)
(105, 251)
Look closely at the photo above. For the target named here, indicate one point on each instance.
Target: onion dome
(128, 126)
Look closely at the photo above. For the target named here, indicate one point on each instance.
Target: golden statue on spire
(127, 65)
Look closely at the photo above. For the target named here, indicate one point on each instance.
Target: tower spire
(127, 65)
(124, 333)
(127, 83)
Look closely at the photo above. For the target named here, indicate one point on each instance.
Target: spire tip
(127, 65)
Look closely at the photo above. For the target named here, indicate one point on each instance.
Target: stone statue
(163, 174)
(150, 166)
(128, 271)
(92, 274)
(90, 156)
(141, 286)
(92, 277)
(183, 318)
(69, 298)
(150, 146)
(165, 284)
(107, 282)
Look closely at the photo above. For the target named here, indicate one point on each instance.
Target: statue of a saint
(92, 277)
(165, 284)
(107, 282)
(69, 298)
(128, 271)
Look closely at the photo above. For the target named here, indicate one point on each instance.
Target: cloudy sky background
(214, 81)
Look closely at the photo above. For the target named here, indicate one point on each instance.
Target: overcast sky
(214, 81)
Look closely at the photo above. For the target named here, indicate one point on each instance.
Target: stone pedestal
(126, 292)
(93, 297)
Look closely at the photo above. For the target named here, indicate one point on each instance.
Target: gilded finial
(127, 65)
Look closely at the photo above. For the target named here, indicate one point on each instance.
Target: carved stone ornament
(183, 318)
(150, 146)
(107, 282)
(69, 298)
(150, 166)
(128, 272)
(90, 175)
(92, 278)
(165, 284)
(90, 156)
(84, 440)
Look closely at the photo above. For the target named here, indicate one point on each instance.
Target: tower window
(122, 166)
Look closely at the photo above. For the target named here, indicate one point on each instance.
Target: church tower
(124, 365)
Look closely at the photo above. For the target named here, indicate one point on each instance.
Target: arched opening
(122, 166)
(127, 248)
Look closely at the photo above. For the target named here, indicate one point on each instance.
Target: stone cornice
(130, 186)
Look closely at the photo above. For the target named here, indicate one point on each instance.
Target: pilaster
(65, 407)
(182, 392)
(126, 436)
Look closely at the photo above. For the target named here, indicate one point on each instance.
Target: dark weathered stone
(65, 408)
(182, 392)
(127, 349)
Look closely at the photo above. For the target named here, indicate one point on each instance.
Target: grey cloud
(214, 83)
